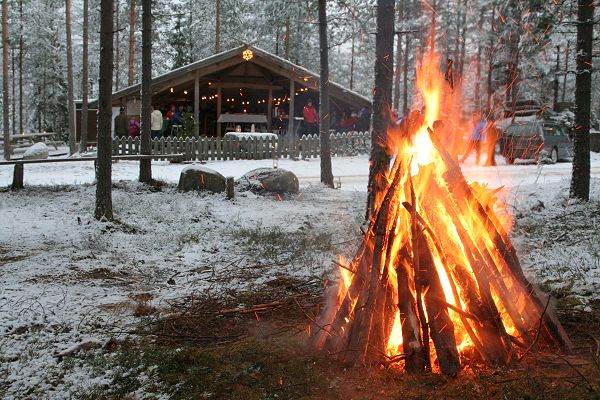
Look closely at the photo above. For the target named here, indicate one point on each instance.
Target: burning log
(491, 350)
(461, 190)
(416, 263)
(412, 345)
(440, 324)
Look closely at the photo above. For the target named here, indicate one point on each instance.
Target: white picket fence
(231, 148)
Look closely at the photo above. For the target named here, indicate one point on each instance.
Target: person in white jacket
(156, 122)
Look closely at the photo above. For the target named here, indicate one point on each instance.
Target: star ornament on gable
(247, 55)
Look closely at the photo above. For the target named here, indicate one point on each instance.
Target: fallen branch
(537, 334)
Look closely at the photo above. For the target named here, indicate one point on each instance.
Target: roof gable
(232, 60)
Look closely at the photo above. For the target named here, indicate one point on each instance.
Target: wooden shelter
(245, 79)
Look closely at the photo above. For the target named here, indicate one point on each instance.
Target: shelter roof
(233, 57)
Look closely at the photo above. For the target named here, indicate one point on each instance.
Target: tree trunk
(70, 99)
(326, 171)
(490, 55)
(512, 52)
(84, 79)
(580, 181)
(5, 103)
(352, 62)
(146, 165)
(21, 66)
(218, 27)
(286, 42)
(478, 65)
(104, 173)
(564, 82)
(277, 34)
(14, 96)
(556, 84)
(117, 33)
(463, 36)
(405, 68)
(398, 59)
(132, 15)
(384, 67)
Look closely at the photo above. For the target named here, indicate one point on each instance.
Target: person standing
(311, 118)
(156, 122)
(491, 138)
(475, 139)
(121, 124)
(134, 127)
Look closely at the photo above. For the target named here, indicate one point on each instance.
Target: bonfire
(436, 282)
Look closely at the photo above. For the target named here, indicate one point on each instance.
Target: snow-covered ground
(66, 278)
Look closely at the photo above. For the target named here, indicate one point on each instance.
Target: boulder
(38, 151)
(273, 180)
(197, 177)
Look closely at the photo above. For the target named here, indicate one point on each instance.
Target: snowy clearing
(68, 279)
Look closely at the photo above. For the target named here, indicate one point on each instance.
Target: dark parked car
(540, 140)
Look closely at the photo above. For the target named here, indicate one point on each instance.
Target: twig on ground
(577, 371)
(347, 269)
(537, 334)
(313, 320)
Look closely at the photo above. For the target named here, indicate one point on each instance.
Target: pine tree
(580, 181)
(104, 209)
(84, 79)
(326, 171)
(70, 97)
(146, 165)
(384, 56)
(5, 104)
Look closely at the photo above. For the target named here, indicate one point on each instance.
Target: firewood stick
(440, 324)
(366, 328)
(496, 348)
(346, 308)
(487, 269)
(505, 248)
(463, 314)
(347, 268)
(425, 352)
(411, 338)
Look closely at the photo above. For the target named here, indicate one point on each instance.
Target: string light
(171, 90)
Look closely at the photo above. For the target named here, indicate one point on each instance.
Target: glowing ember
(436, 277)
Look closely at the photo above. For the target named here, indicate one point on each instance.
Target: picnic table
(255, 135)
(52, 138)
(19, 170)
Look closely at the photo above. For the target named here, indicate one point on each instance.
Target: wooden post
(230, 189)
(218, 110)
(18, 177)
(270, 108)
(291, 135)
(197, 106)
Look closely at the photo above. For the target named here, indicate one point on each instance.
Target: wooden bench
(19, 170)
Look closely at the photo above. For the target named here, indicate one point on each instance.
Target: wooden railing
(231, 148)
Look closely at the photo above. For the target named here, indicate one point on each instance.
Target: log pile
(436, 280)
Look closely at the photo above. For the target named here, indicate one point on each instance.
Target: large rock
(196, 177)
(273, 180)
(38, 151)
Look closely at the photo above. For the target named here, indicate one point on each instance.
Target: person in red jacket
(311, 118)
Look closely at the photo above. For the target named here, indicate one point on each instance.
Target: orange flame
(463, 238)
